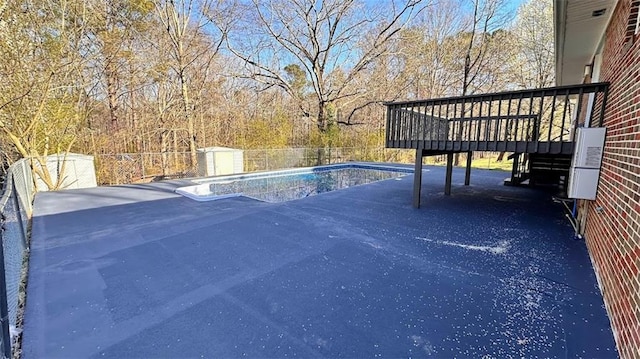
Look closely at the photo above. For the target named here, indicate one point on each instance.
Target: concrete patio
(138, 271)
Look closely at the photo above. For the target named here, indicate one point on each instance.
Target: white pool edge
(202, 193)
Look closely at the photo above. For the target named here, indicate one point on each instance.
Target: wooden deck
(541, 121)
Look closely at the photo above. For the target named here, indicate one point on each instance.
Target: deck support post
(447, 185)
(514, 168)
(467, 173)
(417, 178)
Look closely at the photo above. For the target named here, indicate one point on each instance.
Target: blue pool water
(287, 186)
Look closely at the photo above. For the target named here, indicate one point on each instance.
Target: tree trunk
(188, 117)
(175, 148)
(133, 114)
(109, 51)
(322, 117)
(112, 95)
(163, 151)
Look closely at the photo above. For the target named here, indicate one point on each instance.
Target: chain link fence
(112, 169)
(273, 159)
(15, 215)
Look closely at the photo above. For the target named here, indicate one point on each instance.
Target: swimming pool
(287, 185)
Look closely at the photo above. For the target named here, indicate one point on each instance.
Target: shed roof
(70, 156)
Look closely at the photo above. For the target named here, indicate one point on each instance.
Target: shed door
(224, 163)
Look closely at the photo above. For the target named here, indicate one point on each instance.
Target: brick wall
(613, 220)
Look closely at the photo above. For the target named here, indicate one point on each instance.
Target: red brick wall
(613, 220)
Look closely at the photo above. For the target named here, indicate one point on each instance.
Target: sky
(512, 5)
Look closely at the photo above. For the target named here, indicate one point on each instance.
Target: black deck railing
(526, 121)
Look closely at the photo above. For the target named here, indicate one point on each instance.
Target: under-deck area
(537, 126)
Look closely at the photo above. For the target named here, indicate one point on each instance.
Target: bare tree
(187, 24)
(40, 96)
(331, 40)
(113, 26)
(531, 62)
(532, 65)
(487, 16)
(429, 51)
(417, 65)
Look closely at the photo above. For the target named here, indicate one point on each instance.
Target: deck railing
(528, 121)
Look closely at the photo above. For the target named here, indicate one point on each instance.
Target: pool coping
(201, 191)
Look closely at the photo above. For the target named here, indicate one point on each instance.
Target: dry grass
(489, 161)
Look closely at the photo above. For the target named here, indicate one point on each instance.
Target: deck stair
(537, 126)
(519, 171)
(537, 169)
(546, 169)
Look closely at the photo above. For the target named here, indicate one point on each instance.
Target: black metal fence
(15, 215)
(540, 121)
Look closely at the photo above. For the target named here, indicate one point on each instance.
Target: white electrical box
(583, 183)
(589, 147)
(585, 166)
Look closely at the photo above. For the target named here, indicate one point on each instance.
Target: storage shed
(216, 161)
(79, 171)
